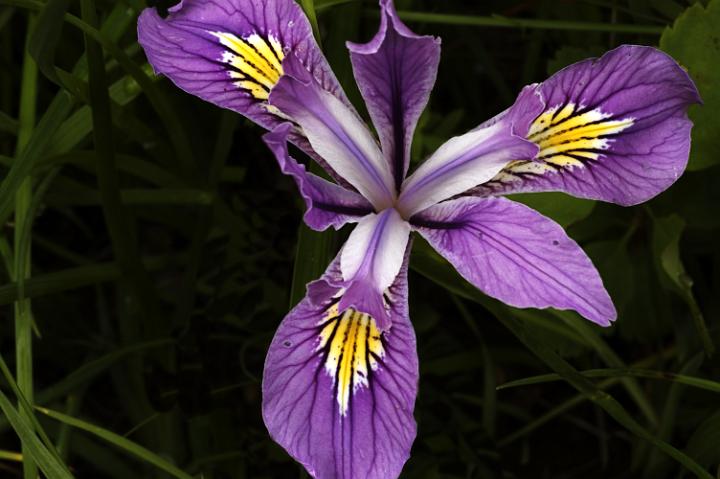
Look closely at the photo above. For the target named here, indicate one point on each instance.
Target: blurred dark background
(155, 285)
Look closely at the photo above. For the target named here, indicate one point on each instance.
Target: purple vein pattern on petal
(327, 203)
(370, 261)
(613, 129)
(230, 52)
(335, 132)
(516, 255)
(462, 163)
(338, 394)
(395, 72)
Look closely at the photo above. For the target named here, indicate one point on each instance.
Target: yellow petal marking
(272, 57)
(353, 344)
(566, 139)
(255, 90)
(256, 64)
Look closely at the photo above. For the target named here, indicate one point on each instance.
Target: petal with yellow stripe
(338, 393)
(231, 52)
(613, 129)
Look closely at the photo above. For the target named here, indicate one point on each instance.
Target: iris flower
(341, 375)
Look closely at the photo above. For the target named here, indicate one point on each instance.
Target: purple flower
(341, 374)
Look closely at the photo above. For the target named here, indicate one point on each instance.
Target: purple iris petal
(335, 132)
(230, 53)
(613, 129)
(468, 160)
(516, 255)
(370, 261)
(395, 72)
(338, 394)
(327, 203)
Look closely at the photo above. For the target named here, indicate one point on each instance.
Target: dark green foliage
(150, 247)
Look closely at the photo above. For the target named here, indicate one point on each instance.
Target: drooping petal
(471, 159)
(230, 52)
(335, 132)
(338, 394)
(613, 129)
(370, 261)
(395, 72)
(327, 203)
(516, 255)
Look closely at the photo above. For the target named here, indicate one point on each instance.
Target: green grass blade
(119, 442)
(656, 462)
(22, 256)
(163, 107)
(73, 278)
(667, 233)
(11, 456)
(314, 253)
(529, 23)
(82, 376)
(34, 449)
(8, 124)
(46, 35)
(696, 382)
(39, 453)
(79, 195)
(608, 403)
(572, 402)
(308, 7)
(585, 329)
(489, 380)
(23, 165)
(92, 369)
(119, 223)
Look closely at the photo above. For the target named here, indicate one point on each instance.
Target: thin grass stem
(22, 256)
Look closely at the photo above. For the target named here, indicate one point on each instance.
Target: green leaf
(37, 448)
(314, 252)
(8, 124)
(667, 8)
(703, 444)
(696, 382)
(46, 35)
(589, 332)
(72, 278)
(47, 463)
(120, 442)
(308, 7)
(501, 21)
(694, 41)
(23, 165)
(666, 244)
(564, 369)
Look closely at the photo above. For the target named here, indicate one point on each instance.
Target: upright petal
(335, 132)
(613, 129)
(516, 255)
(370, 261)
(327, 203)
(469, 160)
(395, 72)
(230, 52)
(338, 394)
